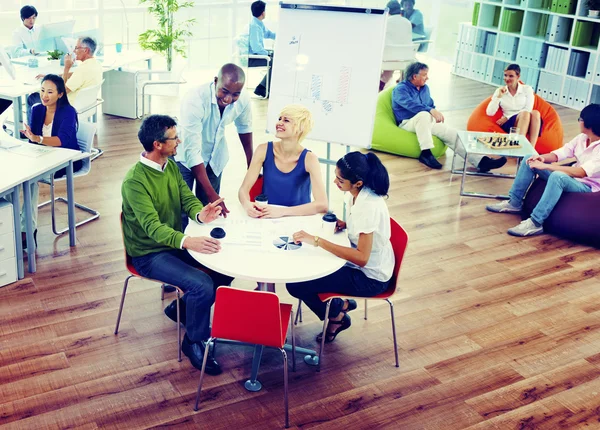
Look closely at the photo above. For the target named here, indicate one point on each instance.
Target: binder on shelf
(583, 89)
(475, 18)
(571, 92)
(489, 70)
(542, 88)
(589, 73)
(564, 96)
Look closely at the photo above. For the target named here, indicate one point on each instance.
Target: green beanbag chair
(388, 137)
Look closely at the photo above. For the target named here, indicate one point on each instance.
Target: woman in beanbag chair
(582, 177)
(515, 100)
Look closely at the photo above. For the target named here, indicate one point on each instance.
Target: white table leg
(71, 204)
(17, 116)
(17, 224)
(29, 226)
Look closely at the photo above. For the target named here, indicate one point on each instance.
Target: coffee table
(255, 250)
(468, 140)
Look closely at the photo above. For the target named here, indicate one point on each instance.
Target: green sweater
(152, 203)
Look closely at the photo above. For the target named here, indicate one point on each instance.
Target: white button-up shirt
(511, 105)
(588, 158)
(369, 214)
(202, 128)
(24, 40)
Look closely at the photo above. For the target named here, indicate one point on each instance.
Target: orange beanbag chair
(552, 130)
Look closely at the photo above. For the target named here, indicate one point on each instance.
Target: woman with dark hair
(370, 258)
(582, 177)
(53, 123)
(516, 102)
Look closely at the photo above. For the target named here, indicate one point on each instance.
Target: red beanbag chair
(552, 131)
(574, 217)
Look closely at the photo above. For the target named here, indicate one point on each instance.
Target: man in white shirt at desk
(205, 111)
(87, 74)
(26, 36)
(256, 44)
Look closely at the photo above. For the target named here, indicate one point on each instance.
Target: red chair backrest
(399, 239)
(248, 316)
(128, 262)
(256, 188)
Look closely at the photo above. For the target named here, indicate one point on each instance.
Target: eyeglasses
(580, 119)
(171, 138)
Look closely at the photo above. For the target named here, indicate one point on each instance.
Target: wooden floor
(495, 332)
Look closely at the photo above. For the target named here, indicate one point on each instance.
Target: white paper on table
(31, 150)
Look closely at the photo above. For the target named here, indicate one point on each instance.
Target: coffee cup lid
(329, 217)
(261, 198)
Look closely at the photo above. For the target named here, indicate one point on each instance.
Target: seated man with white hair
(415, 112)
(88, 72)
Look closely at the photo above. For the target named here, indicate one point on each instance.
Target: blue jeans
(557, 183)
(177, 267)
(189, 179)
(346, 281)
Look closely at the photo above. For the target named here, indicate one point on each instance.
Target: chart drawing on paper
(286, 243)
(332, 71)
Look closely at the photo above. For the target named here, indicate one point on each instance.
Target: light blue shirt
(202, 129)
(416, 19)
(256, 37)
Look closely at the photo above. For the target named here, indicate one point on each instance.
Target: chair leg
(325, 323)
(267, 81)
(298, 312)
(285, 388)
(95, 214)
(293, 342)
(394, 330)
(202, 372)
(366, 309)
(178, 325)
(122, 303)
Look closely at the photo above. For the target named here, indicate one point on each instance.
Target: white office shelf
(558, 52)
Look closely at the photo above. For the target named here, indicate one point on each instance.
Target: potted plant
(55, 56)
(593, 8)
(168, 38)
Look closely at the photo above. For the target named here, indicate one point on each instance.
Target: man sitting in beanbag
(582, 177)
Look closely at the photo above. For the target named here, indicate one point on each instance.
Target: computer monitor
(49, 33)
(7, 64)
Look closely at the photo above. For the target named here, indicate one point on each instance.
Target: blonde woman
(290, 171)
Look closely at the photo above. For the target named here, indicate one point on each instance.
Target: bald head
(231, 73)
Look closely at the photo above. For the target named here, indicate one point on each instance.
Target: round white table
(262, 250)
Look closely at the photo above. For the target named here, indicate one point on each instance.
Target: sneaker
(504, 207)
(526, 228)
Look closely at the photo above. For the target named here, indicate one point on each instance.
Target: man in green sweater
(154, 195)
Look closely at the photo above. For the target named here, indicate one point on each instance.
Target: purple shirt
(587, 158)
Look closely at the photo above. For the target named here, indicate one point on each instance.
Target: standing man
(258, 32)
(154, 194)
(205, 111)
(87, 74)
(26, 36)
(415, 112)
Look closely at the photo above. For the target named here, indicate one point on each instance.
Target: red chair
(256, 188)
(135, 274)
(234, 307)
(399, 239)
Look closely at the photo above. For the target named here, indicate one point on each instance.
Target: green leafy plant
(593, 4)
(55, 55)
(168, 38)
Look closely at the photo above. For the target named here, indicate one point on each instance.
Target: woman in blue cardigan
(53, 123)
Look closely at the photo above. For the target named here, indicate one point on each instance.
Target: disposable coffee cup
(261, 200)
(329, 223)
(119, 47)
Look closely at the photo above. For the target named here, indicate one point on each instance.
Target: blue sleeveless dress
(286, 189)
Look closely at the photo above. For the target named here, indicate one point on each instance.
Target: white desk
(19, 167)
(24, 84)
(248, 252)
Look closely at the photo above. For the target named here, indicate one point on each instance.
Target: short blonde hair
(303, 121)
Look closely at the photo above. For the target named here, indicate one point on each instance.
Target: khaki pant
(425, 127)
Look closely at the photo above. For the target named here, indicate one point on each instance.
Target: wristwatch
(41, 140)
(316, 240)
